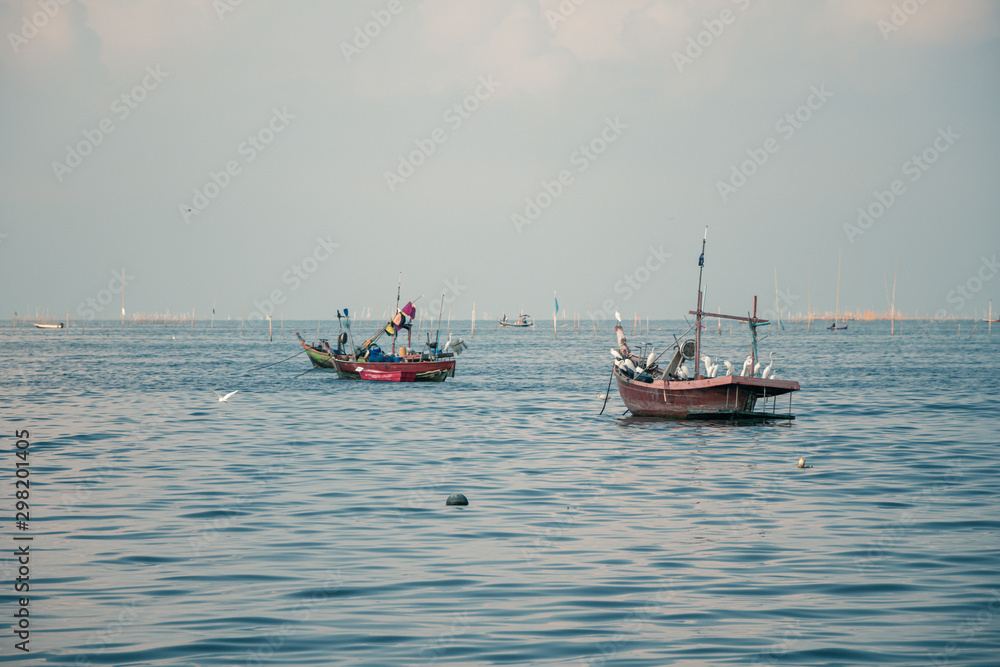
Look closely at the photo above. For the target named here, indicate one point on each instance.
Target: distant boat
(651, 390)
(523, 320)
(836, 312)
(48, 326)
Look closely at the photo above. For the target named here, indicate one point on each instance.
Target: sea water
(303, 522)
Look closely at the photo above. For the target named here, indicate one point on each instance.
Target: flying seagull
(224, 399)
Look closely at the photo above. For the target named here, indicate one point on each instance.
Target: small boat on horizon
(835, 327)
(48, 326)
(523, 320)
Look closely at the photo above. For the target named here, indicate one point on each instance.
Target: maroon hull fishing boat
(651, 390)
(369, 362)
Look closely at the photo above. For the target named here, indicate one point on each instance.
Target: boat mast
(697, 326)
(836, 310)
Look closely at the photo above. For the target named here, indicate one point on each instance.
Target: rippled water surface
(304, 521)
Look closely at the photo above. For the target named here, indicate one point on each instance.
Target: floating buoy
(457, 499)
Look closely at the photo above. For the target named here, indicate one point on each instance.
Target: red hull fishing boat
(387, 376)
(651, 390)
(369, 362)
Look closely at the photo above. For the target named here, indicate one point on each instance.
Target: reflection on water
(304, 521)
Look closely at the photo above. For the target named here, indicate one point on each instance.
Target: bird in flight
(224, 399)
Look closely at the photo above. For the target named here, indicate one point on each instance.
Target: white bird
(456, 345)
(729, 367)
(682, 373)
(224, 399)
(767, 370)
(618, 316)
(649, 359)
(747, 366)
(711, 370)
(616, 354)
(756, 370)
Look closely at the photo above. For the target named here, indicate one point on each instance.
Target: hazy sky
(498, 151)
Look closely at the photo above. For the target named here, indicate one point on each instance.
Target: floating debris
(457, 499)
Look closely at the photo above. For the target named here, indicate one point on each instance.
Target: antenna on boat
(437, 335)
(399, 284)
(697, 321)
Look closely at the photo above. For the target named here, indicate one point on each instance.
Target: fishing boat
(836, 313)
(368, 361)
(48, 326)
(989, 315)
(320, 354)
(523, 320)
(651, 390)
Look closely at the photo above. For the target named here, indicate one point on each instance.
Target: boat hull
(731, 397)
(423, 371)
(319, 358)
(388, 376)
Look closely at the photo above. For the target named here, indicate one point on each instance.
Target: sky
(297, 158)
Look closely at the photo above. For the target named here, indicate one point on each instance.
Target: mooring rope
(257, 368)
